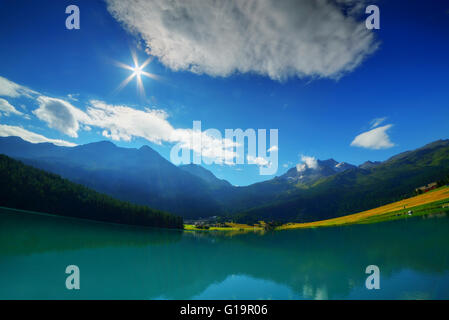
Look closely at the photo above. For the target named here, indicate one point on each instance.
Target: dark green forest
(24, 187)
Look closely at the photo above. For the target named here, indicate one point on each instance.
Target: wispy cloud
(376, 139)
(14, 90)
(278, 39)
(377, 122)
(8, 109)
(15, 131)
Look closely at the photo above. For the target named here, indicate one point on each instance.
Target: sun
(137, 72)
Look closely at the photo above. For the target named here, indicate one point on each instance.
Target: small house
(426, 188)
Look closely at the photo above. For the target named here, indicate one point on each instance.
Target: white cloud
(59, 115)
(7, 131)
(14, 90)
(7, 108)
(307, 163)
(120, 122)
(260, 161)
(278, 39)
(377, 122)
(374, 139)
(273, 149)
(123, 123)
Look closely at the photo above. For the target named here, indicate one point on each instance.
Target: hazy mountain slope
(206, 175)
(24, 187)
(138, 175)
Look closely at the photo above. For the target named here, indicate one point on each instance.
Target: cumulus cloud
(374, 139)
(278, 39)
(7, 131)
(59, 115)
(8, 109)
(123, 123)
(307, 163)
(14, 90)
(120, 122)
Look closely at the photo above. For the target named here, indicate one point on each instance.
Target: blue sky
(307, 84)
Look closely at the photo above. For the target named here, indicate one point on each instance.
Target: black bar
(277, 309)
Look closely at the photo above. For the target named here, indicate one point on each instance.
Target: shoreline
(432, 202)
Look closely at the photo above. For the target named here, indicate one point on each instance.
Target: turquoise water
(121, 262)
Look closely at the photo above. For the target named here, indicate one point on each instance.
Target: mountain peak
(369, 164)
(343, 166)
(145, 147)
(308, 174)
(204, 174)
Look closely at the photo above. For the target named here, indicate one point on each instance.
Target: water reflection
(119, 262)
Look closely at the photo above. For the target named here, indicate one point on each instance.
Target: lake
(122, 262)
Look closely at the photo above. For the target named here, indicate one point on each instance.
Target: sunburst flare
(137, 72)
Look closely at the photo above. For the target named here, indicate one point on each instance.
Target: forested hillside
(141, 176)
(357, 189)
(27, 188)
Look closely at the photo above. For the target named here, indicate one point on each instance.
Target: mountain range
(26, 188)
(140, 176)
(367, 186)
(311, 191)
(306, 174)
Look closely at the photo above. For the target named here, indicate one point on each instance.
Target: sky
(309, 69)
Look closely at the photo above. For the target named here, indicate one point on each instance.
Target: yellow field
(426, 198)
(407, 204)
